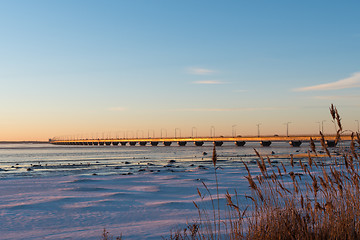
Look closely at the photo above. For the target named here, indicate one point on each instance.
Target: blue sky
(88, 67)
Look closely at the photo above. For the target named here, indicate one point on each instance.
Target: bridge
(264, 141)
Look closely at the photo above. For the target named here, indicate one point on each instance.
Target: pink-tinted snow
(140, 206)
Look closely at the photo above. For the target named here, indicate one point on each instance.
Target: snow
(75, 207)
(53, 203)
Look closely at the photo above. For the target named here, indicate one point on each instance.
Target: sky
(143, 68)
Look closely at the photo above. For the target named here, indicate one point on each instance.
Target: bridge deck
(209, 139)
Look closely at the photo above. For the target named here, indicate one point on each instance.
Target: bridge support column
(265, 143)
(295, 143)
(154, 143)
(240, 143)
(182, 143)
(330, 143)
(199, 143)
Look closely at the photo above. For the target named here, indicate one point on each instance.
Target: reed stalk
(316, 198)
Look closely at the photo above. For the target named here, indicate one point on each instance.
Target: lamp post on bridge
(233, 132)
(142, 133)
(123, 134)
(258, 127)
(118, 134)
(153, 133)
(178, 130)
(192, 132)
(161, 131)
(287, 128)
(212, 130)
(127, 134)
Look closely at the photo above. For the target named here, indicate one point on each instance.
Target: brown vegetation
(322, 201)
(107, 236)
(314, 199)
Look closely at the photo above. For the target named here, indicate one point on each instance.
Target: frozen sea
(142, 192)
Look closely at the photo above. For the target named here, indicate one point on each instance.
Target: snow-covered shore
(140, 206)
(147, 204)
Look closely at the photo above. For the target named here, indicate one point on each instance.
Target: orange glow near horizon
(43, 130)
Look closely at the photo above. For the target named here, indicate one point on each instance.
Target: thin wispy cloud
(209, 82)
(228, 109)
(200, 71)
(116, 109)
(351, 82)
(339, 97)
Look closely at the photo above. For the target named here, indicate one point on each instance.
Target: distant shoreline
(21, 142)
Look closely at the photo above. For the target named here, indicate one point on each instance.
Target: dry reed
(107, 236)
(322, 202)
(315, 199)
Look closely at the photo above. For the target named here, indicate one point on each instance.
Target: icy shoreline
(154, 199)
(140, 206)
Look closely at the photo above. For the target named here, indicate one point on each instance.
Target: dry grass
(322, 201)
(107, 236)
(311, 199)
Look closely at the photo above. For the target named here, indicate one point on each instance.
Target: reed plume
(304, 200)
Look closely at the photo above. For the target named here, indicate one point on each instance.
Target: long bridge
(264, 141)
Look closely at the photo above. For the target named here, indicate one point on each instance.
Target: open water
(24, 160)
